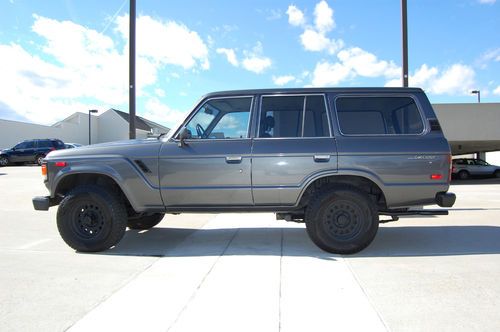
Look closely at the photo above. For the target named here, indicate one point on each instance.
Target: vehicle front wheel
(341, 219)
(91, 218)
(4, 161)
(145, 221)
(463, 175)
(39, 159)
(497, 173)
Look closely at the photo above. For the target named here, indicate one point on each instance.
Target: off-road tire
(91, 218)
(341, 219)
(145, 222)
(463, 175)
(39, 159)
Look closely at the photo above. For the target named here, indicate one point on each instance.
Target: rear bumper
(445, 199)
(42, 203)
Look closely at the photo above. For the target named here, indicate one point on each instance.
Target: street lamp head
(93, 111)
(475, 92)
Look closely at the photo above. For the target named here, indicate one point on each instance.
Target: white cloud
(160, 92)
(283, 80)
(315, 41)
(326, 74)
(491, 55)
(489, 2)
(295, 16)
(230, 55)
(457, 79)
(254, 61)
(366, 64)
(79, 68)
(162, 114)
(353, 62)
(323, 17)
(497, 91)
(256, 64)
(167, 42)
(314, 38)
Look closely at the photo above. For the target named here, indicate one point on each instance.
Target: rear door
(293, 144)
(387, 138)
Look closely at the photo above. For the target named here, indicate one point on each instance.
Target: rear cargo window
(378, 116)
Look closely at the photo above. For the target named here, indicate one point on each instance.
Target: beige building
(112, 125)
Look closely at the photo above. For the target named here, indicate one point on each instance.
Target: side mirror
(183, 135)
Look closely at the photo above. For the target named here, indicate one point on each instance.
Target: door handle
(234, 160)
(321, 158)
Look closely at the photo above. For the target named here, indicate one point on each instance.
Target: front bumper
(42, 203)
(445, 199)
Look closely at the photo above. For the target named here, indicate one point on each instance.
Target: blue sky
(60, 57)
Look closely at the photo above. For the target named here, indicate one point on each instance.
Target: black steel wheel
(91, 218)
(145, 221)
(341, 219)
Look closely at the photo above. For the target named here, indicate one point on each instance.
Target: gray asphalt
(250, 272)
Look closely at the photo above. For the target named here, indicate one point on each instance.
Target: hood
(119, 148)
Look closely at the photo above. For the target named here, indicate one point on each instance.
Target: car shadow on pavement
(390, 241)
(434, 241)
(180, 242)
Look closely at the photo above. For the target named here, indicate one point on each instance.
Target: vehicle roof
(313, 90)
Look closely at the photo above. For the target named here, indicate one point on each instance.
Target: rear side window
(44, 144)
(293, 116)
(378, 116)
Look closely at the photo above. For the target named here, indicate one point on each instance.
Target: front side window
(293, 116)
(378, 116)
(223, 118)
(25, 145)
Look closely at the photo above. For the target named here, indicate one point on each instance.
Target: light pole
(90, 111)
(404, 33)
(478, 93)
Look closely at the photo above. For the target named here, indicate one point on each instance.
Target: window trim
(200, 105)
(425, 128)
(259, 114)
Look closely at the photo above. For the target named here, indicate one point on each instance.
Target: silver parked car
(333, 158)
(464, 168)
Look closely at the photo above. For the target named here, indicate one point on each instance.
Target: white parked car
(72, 145)
(464, 168)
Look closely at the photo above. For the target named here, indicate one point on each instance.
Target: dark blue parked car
(30, 151)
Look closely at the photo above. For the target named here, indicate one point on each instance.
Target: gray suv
(334, 158)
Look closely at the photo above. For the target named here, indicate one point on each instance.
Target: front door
(213, 167)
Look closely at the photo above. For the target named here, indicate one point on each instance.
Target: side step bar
(298, 216)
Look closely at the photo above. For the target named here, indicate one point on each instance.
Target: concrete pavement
(249, 272)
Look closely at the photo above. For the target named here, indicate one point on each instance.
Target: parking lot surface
(249, 272)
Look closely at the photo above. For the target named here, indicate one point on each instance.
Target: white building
(112, 125)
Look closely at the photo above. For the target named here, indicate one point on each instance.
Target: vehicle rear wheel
(91, 218)
(145, 221)
(341, 219)
(463, 175)
(4, 161)
(497, 173)
(39, 159)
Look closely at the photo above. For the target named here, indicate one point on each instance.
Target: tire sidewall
(4, 161)
(463, 175)
(110, 208)
(39, 159)
(366, 215)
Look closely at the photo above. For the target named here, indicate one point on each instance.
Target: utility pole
(404, 30)
(131, 96)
